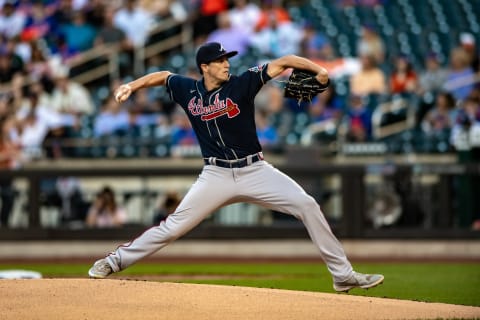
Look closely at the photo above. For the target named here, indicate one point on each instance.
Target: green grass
(457, 283)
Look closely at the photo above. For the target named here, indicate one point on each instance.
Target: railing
(395, 106)
(106, 56)
(108, 66)
(433, 185)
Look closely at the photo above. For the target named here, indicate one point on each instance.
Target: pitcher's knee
(308, 206)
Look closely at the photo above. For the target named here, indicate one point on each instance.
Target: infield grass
(456, 283)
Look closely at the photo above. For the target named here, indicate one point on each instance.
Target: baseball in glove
(303, 86)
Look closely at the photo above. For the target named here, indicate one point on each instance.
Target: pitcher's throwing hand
(122, 93)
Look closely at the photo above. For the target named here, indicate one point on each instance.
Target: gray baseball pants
(259, 183)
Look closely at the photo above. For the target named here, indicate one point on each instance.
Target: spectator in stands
(441, 118)
(272, 10)
(206, 20)
(110, 34)
(72, 101)
(271, 101)
(10, 62)
(403, 79)
(370, 80)
(69, 97)
(324, 113)
(468, 116)
(232, 38)
(44, 98)
(168, 204)
(65, 195)
(278, 39)
(461, 77)
(95, 12)
(270, 98)
(176, 9)
(371, 44)
(146, 111)
(38, 67)
(267, 134)
(313, 42)
(430, 82)
(182, 133)
(326, 106)
(78, 33)
(9, 159)
(63, 11)
(432, 78)
(61, 53)
(134, 21)
(36, 122)
(11, 20)
(39, 23)
(17, 91)
(144, 102)
(468, 43)
(244, 15)
(358, 120)
(113, 119)
(73, 206)
(465, 138)
(105, 212)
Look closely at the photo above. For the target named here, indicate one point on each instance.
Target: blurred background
(390, 151)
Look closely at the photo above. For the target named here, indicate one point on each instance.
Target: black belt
(238, 163)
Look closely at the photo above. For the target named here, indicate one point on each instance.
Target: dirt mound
(122, 299)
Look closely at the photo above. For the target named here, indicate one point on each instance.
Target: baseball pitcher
(220, 107)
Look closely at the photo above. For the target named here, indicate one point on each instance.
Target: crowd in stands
(42, 103)
(43, 112)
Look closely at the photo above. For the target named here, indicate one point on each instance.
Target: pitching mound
(122, 299)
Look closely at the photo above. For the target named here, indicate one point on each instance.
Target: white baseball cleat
(100, 269)
(359, 280)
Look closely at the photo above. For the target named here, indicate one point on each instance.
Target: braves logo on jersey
(256, 69)
(215, 110)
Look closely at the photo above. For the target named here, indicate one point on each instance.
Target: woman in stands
(104, 212)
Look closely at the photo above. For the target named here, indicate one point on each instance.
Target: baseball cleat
(359, 280)
(100, 269)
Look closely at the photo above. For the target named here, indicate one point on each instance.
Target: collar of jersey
(203, 90)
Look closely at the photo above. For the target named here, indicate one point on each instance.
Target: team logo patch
(256, 69)
(215, 110)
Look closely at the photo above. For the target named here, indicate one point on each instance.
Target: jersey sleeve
(254, 78)
(178, 88)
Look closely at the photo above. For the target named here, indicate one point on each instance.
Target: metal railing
(107, 55)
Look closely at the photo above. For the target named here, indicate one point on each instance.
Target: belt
(237, 163)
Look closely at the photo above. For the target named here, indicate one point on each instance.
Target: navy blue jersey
(224, 118)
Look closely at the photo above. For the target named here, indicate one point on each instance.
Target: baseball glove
(303, 86)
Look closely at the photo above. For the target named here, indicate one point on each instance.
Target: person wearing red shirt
(206, 21)
(403, 78)
(269, 8)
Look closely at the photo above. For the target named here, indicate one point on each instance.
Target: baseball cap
(467, 39)
(212, 51)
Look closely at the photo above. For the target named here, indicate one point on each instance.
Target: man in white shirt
(11, 21)
(135, 22)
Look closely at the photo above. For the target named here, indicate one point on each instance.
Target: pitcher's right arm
(150, 80)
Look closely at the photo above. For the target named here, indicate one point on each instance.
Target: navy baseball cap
(212, 51)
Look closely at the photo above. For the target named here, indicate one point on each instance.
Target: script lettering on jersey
(215, 110)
